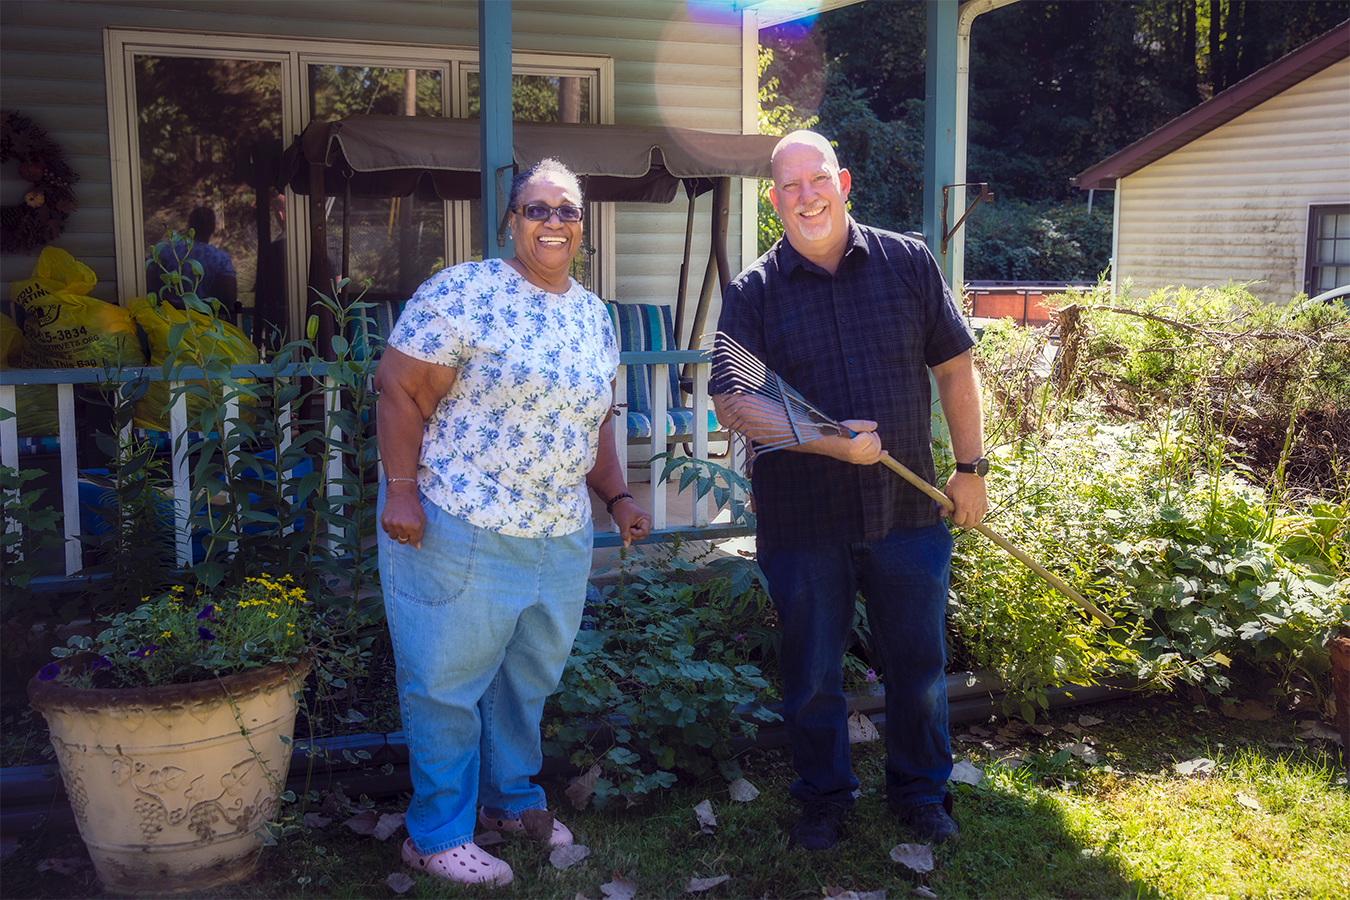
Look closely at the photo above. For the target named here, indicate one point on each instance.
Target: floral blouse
(509, 446)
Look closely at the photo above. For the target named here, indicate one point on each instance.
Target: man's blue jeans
(904, 578)
(482, 624)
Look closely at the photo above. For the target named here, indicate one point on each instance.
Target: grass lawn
(1271, 818)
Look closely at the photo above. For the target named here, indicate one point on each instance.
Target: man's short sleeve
(949, 333)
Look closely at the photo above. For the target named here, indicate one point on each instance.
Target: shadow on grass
(1016, 839)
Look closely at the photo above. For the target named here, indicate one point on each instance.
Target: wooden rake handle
(1055, 581)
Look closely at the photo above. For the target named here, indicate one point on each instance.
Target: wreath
(41, 217)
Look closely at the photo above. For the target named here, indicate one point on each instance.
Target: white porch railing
(69, 465)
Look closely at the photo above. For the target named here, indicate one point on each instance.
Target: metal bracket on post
(984, 195)
(502, 198)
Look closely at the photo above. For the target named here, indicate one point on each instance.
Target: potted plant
(173, 730)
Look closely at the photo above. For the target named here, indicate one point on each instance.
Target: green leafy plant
(671, 665)
(181, 637)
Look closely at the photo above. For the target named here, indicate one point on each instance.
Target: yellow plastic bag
(11, 343)
(206, 339)
(65, 329)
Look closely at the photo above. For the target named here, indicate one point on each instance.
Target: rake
(770, 413)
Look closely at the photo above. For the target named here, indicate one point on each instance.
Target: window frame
(295, 54)
(1310, 265)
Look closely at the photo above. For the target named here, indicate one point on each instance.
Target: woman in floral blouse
(494, 419)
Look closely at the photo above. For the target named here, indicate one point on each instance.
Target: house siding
(1232, 205)
(672, 66)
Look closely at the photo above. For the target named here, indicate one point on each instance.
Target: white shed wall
(1233, 205)
(671, 66)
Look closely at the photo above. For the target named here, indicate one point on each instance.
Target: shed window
(1328, 248)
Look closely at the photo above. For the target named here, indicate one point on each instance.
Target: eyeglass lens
(540, 212)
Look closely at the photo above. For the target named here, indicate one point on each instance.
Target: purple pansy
(145, 652)
(48, 672)
(204, 634)
(208, 612)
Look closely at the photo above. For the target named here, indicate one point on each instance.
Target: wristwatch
(979, 467)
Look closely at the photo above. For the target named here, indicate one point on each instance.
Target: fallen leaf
(698, 885)
(707, 820)
(835, 892)
(581, 896)
(918, 857)
(1316, 729)
(861, 730)
(872, 895)
(1071, 729)
(314, 820)
(1254, 710)
(620, 888)
(563, 857)
(980, 732)
(1013, 761)
(334, 804)
(964, 773)
(1012, 731)
(399, 882)
(580, 788)
(364, 822)
(1198, 766)
(634, 800)
(1088, 721)
(922, 891)
(1043, 729)
(742, 790)
(1083, 751)
(488, 839)
(969, 739)
(388, 824)
(1248, 801)
(68, 866)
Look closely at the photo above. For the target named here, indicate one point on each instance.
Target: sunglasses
(542, 212)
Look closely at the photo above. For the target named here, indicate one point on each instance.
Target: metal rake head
(759, 405)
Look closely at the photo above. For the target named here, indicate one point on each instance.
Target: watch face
(981, 466)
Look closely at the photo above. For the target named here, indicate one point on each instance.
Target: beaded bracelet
(392, 480)
(609, 506)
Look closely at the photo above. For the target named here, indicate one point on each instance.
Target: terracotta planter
(169, 785)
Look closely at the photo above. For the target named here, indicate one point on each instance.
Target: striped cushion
(648, 327)
(679, 423)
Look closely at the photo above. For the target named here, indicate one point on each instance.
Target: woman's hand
(634, 522)
(402, 517)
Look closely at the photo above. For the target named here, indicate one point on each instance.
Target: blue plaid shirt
(858, 345)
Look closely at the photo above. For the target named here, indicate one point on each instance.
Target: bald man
(855, 318)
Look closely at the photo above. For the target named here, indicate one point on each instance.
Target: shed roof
(1223, 107)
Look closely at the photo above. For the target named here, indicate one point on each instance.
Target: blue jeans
(482, 625)
(904, 578)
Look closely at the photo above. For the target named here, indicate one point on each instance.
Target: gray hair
(547, 166)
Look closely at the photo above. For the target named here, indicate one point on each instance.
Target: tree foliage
(1055, 87)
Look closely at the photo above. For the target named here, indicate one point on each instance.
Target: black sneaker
(932, 823)
(819, 827)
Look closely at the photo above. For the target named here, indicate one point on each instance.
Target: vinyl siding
(1233, 204)
(671, 66)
